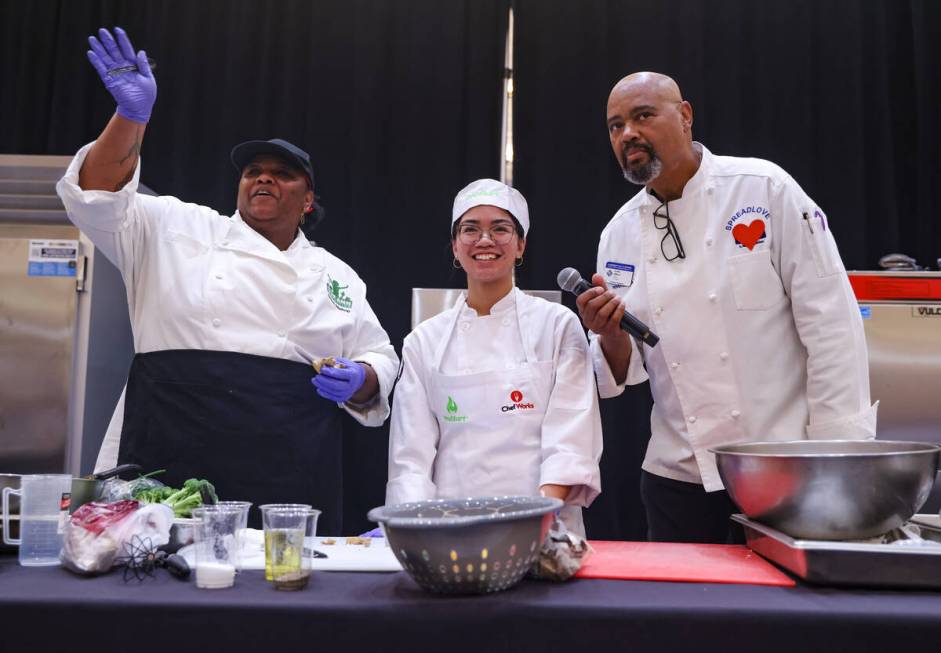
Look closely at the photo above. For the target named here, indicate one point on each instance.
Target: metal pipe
(506, 130)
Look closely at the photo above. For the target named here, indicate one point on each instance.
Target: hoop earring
(456, 264)
(518, 262)
(303, 218)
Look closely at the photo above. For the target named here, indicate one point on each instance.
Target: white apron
(490, 426)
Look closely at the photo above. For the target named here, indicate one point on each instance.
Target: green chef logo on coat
(451, 415)
(337, 296)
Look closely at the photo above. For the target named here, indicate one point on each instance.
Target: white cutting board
(341, 555)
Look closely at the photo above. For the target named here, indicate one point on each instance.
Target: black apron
(251, 425)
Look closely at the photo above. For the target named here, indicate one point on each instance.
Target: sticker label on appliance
(52, 258)
(866, 312)
(926, 311)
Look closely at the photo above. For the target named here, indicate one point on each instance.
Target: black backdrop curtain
(399, 104)
(843, 94)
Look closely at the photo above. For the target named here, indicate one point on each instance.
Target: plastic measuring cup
(44, 509)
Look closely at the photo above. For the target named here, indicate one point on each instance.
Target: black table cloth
(50, 609)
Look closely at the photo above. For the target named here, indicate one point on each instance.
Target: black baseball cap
(243, 153)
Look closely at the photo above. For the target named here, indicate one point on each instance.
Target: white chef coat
(495, 451)
(760, 334)
(199, 280)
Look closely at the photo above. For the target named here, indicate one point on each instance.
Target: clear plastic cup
(217, 545)
(44, 510)
(242, 507)
(283, 506)
(310, 534)
(287, 565)
(270, 507)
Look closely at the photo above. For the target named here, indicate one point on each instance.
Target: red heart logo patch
(749, 235)
(516, 396)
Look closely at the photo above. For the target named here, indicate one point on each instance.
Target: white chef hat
(492, 193)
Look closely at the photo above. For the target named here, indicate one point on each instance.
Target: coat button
(674, 365)
(310, 299)
(225, 242)
(465, 326)
(708, 241)
(735, 414)
(713, 297)
(218, 276)
(506, 321)
(692, 419)
(724, 355)
(280, 334)
(652, 259)
(658, 310)
(216, 322)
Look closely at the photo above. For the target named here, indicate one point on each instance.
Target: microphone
(570, 280)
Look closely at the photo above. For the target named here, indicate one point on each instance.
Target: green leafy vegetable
(152, 494)
(182, 501)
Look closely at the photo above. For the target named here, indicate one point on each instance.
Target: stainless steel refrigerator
(65, 337)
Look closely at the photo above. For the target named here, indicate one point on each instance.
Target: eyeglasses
(500, 234)
(670, 245)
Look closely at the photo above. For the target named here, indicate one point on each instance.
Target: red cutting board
(691, 563)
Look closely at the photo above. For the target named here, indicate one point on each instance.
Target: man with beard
(737, 271)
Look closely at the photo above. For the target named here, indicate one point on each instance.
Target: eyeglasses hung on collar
(670, 245)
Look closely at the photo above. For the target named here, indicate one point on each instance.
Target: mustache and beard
(646, 173)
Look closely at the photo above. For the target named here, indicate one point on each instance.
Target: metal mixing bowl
(467, 546)
(829, 489)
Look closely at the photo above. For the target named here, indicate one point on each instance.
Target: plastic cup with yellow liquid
(287, 526)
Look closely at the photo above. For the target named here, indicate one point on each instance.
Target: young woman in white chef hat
(497, 394)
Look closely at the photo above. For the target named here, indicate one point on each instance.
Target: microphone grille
(568, 279)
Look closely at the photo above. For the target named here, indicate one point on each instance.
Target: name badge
(618, 275)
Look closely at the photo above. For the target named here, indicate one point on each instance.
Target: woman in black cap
(227, 314)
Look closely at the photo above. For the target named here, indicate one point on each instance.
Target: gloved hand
(340, 383)
(134, 91)
(376, 532)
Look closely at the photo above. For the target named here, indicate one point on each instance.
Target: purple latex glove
(134, 91)
(376, 532)
(340, 383)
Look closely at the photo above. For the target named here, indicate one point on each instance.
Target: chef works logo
(517, 398)
(337, 296)
(451, 415)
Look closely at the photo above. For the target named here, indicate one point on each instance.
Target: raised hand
(135, 91)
